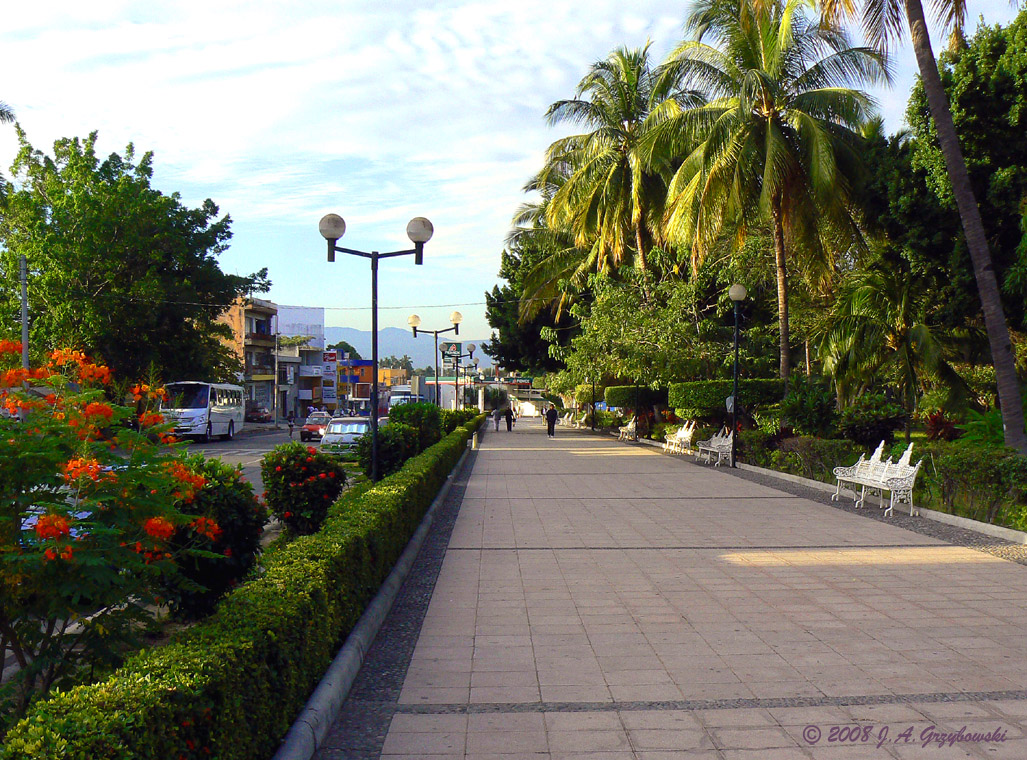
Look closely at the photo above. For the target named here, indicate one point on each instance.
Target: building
(253, 342)
(390, 377)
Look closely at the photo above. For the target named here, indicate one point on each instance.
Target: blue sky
(284, 111)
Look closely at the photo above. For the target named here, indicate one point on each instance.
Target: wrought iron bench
(627, 433)
(680, 441)
(877, 475)
(719, 444)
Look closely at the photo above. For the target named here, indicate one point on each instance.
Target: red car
(314, 426)
(258, 414)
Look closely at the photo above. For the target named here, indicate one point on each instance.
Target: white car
(342, 433)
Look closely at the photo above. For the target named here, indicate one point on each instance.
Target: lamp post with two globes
(471, 348)
(419, 230)
(415, 324)
(737, 294)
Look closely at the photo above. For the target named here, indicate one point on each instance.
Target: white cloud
(282, 111)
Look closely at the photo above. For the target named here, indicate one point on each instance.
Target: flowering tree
(87, 512)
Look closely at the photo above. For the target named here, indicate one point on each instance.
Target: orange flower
(52, 526)
(98, 409)
(159, 527)
(10, 347)
(206, 527)
(148, 419)
(80, 467)
(50, 554)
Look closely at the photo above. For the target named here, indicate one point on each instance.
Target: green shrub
(606, 419)
(426, 419)
(238, 517)
(231, 686)
(396, 444)
(300, 483)
(624, 396)
(454, 418)
(706, 398)
(871, 418)
(810, 409)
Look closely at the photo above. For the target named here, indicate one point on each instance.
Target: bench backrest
(906, 456)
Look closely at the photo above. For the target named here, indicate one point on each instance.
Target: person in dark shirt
(508, 413)
(551, 417)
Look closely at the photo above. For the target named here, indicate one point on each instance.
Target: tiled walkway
(601, 600)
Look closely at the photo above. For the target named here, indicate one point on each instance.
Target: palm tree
(607, 198)
(877, 332)
(882, 23)
(775, 141)
(6, 113)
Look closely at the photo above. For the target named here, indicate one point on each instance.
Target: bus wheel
(231, 431)
(206, 437)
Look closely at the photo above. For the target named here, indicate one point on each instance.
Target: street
(248, 448)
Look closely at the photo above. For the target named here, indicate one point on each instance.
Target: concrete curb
(312, 724)
(987, 529)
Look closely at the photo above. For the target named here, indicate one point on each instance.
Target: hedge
(624, 396)
(705, 398)
(231, 686)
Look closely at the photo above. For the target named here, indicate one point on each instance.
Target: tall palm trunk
(782, 290)
(973, 230)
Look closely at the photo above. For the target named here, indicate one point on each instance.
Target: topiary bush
(624, 396)
(871, 418)
(425, 418)
(300, 483)
(396, 444)
(705, 398)
(228, 524)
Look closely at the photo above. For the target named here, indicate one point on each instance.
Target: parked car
(258, 414)
(314, 426)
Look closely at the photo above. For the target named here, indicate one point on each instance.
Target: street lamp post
(415, 324)
(737, 294)
(419, 230)
(470, 353)
(593, 404)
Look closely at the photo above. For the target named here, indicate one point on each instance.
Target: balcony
(310, 370)
(259, 339)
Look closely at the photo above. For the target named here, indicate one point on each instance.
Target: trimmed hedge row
(705, 398)
(623, 396)
(230, 686)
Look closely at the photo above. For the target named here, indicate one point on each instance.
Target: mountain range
(392, 341)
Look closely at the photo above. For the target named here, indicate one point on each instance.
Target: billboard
(329, 377)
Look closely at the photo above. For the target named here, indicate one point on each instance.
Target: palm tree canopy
(779, 122)
(608, 199)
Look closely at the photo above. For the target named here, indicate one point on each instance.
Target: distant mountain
(392, 341)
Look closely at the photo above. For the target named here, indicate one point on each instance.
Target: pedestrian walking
(509, 419)
(551, 417)
(497, 415)
(292, 422)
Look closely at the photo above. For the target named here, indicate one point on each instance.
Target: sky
(284, 111)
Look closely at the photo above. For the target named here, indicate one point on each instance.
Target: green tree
(516, 321)
(879, 335)
(775, 140)
(882, 23)
(345, 348)
(117, 268)
(986, 82)
(397, 362)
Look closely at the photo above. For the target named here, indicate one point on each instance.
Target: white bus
(205, 409)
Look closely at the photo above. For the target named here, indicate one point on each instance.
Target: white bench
(720, 444)
(877, 475)
(627, 433)
(565, 419)
(582, 421)
(681, 440)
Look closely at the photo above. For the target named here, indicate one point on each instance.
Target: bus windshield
(186, 396)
